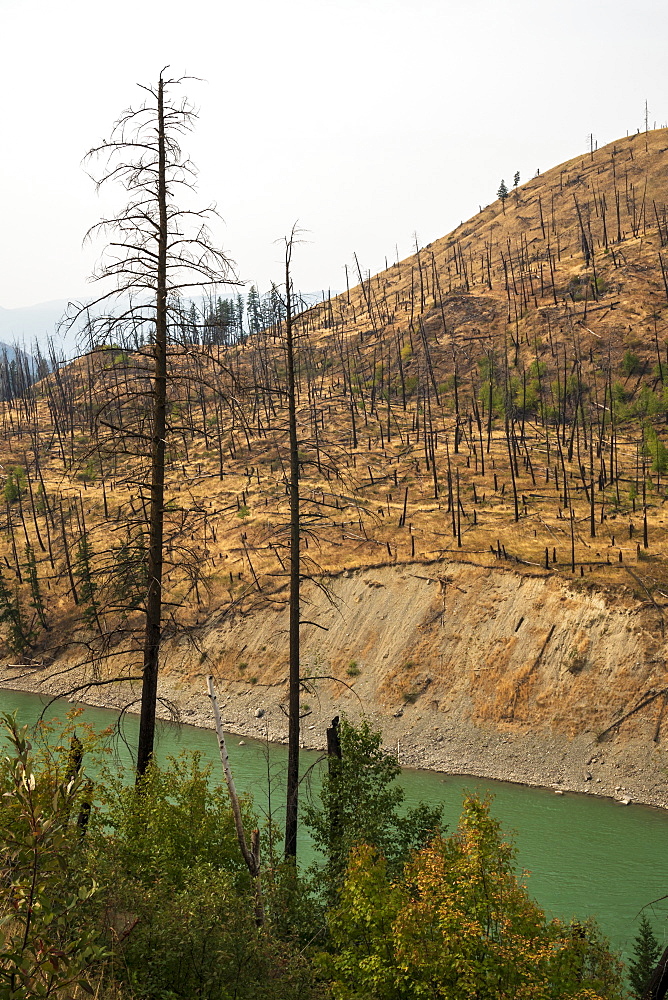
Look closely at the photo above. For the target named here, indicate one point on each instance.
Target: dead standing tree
(156, 253)
(282, 371)
(295, 573)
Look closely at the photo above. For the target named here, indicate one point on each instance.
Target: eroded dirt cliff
(475, 669)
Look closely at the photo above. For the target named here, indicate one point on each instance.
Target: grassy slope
(506, 298)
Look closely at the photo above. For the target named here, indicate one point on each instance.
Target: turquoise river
(586, 856)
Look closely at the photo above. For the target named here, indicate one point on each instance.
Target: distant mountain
(10, 352)
(35, 324)
(38, 324)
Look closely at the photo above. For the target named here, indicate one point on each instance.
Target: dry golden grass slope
(488, 415)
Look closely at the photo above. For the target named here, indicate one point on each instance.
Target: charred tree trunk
(334, 768)
(292, 801)
(152, 632)
(657, 987)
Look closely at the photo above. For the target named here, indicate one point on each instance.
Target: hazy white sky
(366, 120)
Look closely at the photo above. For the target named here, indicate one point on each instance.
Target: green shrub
(89, 472)
(457, 922)
(200, 940)
(631, 363)
(48, 942)
(177, 815)
(166, 854)
(361, 802)
(15, 484)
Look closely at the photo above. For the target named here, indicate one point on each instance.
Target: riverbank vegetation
(140, 891)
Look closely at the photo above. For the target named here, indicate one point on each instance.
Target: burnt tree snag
(156, 252)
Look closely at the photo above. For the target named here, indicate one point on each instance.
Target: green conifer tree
(254, 310)
(15, 484)
(88, 585)
(646, 953)
(126, 586)
(35, 593)
(502, 193)
(20, 635)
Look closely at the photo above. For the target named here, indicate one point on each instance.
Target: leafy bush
(458, 923)
(166, 854)
(157, 889)
(200, 940)
(361, 802)
(156, 886)
(172, 821)
(47, 940)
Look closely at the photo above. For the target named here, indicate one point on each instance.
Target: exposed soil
(466, 669)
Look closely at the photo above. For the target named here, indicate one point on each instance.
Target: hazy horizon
(367, 122)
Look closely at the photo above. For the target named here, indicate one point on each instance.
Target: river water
(587, 856)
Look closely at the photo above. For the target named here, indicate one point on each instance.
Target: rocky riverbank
(625, 769)
(465, 669)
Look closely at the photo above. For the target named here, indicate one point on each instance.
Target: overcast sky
(365, 120)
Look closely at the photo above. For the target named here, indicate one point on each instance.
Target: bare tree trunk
(252, 856)
(334, 768)
(657, 987)
(149, 692)
(292, 801)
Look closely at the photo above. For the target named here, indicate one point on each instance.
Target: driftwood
(252, 856)
(646, 701)
(639, 581)
(534, 666)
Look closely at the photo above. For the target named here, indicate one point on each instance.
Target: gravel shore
(625, 769)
